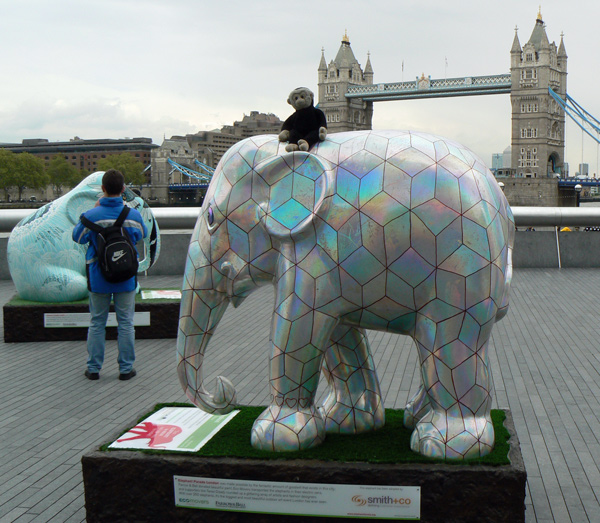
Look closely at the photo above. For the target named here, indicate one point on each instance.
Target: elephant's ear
(295, 187)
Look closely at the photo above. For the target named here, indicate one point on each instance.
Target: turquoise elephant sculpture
(44, 262)
(394, 231)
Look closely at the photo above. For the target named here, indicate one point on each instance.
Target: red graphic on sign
(157, 434)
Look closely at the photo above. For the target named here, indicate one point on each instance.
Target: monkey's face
(300, 98)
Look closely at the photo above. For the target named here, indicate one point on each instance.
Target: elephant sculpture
(44, 262)
(395, 231)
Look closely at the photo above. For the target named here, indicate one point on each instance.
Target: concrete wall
(174, 246)
(539, 249)
(4, 273)
(173, 253)
(580, 249)
(532, 249)
(537, 192)
(535, 249)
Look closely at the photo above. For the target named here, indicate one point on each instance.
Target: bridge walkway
(545, 359)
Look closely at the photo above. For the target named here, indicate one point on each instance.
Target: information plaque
(304, 499)
(174, 428)
(61, 320)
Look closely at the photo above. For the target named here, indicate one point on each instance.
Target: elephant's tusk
(229, 287)
(227, 270)
(236, 300)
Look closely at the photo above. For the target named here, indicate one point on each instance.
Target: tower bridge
(427, 88)
(537, 84)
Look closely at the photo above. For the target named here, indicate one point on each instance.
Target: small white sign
(185, 429)
(60, 320)
(306, 499)
(161, 294)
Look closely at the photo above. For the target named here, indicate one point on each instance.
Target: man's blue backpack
(116, 253)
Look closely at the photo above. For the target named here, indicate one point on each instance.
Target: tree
(29, 173)
(7, 167)
(61, 174)
(127, 164)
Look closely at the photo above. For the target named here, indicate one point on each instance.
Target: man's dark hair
(113, 182)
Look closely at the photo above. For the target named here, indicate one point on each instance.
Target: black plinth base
(25, 323)
(133, 486)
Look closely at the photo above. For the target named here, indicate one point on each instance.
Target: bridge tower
(344, 114)
(538, 123)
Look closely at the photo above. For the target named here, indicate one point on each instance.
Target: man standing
(104, 214)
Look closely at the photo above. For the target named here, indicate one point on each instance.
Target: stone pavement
(545, 361)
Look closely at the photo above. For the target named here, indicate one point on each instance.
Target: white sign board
(60, 320)
(306, 499)
(185, 429)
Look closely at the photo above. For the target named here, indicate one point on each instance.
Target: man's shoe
(92, 375)
(128, 375)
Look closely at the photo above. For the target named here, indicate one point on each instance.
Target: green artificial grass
(16, 301)
(390, 444)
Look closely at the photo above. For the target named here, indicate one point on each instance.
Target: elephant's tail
(503, 309)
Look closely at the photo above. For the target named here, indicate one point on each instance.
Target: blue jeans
(125, 309)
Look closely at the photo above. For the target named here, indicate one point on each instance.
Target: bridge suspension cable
(209, 170)
(189, 172)
(587, 122)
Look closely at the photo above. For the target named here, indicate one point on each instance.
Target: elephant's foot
(365, 416)
(416, 408)
(291, 147)
(439, 435)
(282, 429)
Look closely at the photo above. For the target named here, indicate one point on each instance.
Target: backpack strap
(97, 228)
(119, 221)
(90, 224)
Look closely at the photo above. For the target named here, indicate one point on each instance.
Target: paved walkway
(546, 365)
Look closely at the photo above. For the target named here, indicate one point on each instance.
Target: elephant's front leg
(354, 404)
(292, 421)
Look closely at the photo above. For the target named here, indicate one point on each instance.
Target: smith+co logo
(379, 501)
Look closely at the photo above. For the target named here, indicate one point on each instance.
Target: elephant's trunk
(200, 314)
(151, 245)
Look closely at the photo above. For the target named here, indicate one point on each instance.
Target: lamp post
(578, 194)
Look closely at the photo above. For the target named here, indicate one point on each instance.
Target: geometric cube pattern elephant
(396, 231)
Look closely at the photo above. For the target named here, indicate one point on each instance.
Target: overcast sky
(154, 68)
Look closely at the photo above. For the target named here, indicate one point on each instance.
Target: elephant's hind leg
(354, 404)
(456, 376)
(416, 408)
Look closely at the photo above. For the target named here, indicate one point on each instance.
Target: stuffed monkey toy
(306, 126)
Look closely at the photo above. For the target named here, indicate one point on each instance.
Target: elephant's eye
(211, 216)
